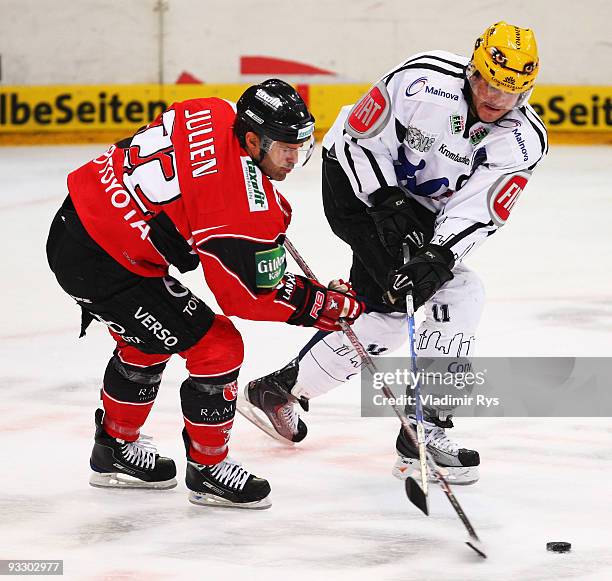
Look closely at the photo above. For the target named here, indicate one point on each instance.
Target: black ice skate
(119, 464)
(459, 465)
(269, 404)
(226, 484)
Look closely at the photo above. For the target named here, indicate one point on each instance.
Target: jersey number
(149, 164)
(440, 313)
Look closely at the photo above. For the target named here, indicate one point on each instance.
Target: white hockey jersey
(413, 129)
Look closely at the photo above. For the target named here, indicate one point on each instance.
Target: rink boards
(73, 113)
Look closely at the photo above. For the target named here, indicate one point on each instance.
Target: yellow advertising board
(85, 111)
(574, 108)
(54, 108)
(325, 101)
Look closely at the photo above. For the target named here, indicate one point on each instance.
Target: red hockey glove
(317, 306)
(342, 286)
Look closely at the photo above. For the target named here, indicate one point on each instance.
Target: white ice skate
(458, 465)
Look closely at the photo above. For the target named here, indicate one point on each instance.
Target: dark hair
(240, 129)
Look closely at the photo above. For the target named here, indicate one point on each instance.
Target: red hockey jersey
(180, 189)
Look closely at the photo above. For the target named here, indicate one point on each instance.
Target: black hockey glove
(423, 275)
(395, 221)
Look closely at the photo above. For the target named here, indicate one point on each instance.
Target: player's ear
(253, 143)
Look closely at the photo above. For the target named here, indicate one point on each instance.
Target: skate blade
(118, 480)
(205, 499)
(259, 419)
(460, 476)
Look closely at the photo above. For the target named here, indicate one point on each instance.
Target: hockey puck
(558, 546)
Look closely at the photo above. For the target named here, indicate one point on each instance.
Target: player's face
(490, 103)
(280, 160)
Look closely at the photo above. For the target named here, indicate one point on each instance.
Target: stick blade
(476, 545)
(416, 495)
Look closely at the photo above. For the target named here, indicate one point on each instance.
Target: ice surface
(337, 513)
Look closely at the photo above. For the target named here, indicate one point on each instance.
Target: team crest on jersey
(419, 140)
(370, 114)
(457, 124)
(477, 134)
(504, 194)
(253, 181)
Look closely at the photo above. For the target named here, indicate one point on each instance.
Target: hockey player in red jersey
(192, 187)
(434, 156)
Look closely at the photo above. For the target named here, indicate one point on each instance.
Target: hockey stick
(417, 389)
(413, 490)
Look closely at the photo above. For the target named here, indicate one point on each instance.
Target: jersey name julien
(182, 191)
(414, 129)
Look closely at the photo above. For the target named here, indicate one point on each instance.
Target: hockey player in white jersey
(434, 155)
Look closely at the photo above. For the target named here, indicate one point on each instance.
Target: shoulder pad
(504, 193)
(370, 114)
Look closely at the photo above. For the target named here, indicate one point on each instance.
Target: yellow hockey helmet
(506, 56)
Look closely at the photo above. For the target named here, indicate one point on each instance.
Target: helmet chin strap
(262, 149)
(262, 153)
(467, 93)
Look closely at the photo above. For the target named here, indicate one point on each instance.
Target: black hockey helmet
(274, 109)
